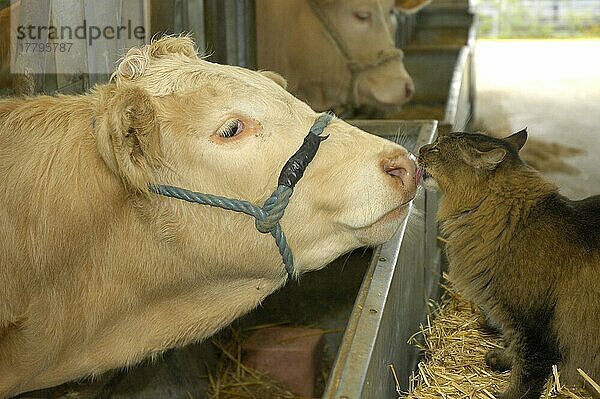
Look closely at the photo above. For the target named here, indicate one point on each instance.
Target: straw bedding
(454, 343)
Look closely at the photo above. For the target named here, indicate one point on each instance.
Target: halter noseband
(267, 217)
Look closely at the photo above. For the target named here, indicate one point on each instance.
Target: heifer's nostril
(398, 172)
(401, 167)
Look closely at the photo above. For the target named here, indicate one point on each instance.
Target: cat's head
(466, 160)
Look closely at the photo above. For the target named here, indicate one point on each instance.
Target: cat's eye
(434, 149)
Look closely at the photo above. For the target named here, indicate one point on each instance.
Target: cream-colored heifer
(97, 272)
(336, 54)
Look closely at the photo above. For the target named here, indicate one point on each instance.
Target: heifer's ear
(411, 6)
(132, 65)
(517, 140)
(128, 137)
(135, 61)
(173, 45)
(275, 77)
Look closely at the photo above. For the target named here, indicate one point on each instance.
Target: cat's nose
(402, 167)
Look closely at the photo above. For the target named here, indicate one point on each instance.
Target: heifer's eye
(362, 16)
(231, 128)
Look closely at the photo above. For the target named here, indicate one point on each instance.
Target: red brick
(291, 356)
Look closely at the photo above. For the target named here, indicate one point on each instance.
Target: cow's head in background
(336, 54)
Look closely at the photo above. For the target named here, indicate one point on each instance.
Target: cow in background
(336, 54)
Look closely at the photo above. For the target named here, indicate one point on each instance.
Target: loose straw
(454, 344)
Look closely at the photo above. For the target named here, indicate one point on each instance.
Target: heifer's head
(172, 118)
(338, 54)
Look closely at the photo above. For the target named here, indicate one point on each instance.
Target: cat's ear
(517, 140)
(493, 157)
(486, 159)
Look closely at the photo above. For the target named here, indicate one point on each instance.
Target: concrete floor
(552, 87)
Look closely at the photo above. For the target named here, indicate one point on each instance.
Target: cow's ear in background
(275, 77)
(128, 137)
(411, 6)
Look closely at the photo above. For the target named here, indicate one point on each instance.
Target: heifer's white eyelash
(231, 128)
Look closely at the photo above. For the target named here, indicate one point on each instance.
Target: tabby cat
(528, 256)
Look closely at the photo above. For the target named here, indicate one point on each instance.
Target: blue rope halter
(267, 217)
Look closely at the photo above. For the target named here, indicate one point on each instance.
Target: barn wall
(72, 60)
(222, 29)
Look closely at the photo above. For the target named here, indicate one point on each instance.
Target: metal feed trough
(439, 55)
(392, 302)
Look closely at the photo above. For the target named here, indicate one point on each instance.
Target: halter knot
(273, 209)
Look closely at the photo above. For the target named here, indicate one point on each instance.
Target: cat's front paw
(498, 360)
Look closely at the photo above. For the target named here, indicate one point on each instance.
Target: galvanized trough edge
(354, 358)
